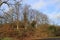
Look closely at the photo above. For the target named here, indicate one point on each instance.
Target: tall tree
(17, 7)
(25, 14)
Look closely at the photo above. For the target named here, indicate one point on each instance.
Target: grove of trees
(22, 21)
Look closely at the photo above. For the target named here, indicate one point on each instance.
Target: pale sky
(49, 7)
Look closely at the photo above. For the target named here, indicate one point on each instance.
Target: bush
(33, 24)
(52, 28)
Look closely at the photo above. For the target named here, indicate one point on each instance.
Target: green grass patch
(7, 38)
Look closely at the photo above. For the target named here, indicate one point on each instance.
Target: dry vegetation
(42, 31)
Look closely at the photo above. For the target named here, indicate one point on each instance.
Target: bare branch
(4, 2)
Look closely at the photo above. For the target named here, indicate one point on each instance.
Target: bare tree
(1, 19)
(42, 18)
(25, 14)
(34, 14)
(39, 17)
(9, 14)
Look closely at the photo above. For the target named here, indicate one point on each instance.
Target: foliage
(52, 28)
(33, 24)
(57, 33)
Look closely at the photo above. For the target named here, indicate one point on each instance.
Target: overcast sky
(50, 7)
